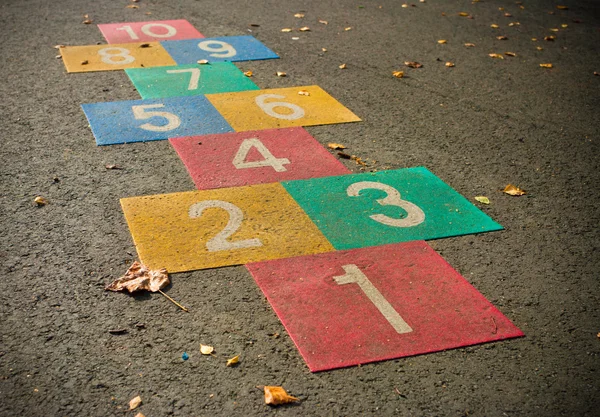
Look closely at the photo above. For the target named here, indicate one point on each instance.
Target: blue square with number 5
(226, 48)
(144, 120)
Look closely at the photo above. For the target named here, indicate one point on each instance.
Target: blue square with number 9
(226, 48)
(144, 120)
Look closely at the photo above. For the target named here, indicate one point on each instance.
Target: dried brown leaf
(299, 15)
(534, 39)
(550, 38)
(139, 277)
(546, 65)
(442, 41)
(498, 56)
(248, 73)
(40, 201)
(502, 38)
(398, 74)
(87, 21)
(335, 146)
(278, 396)
(304, 29)
(482, 199)
(344, 155)
(281, 74)
(111, 166)
(132, 6)
(564, 26)
(145, 45)
(325, 22)
(139, 415)
(343, 66)
(469, 45)
(596, 73)
(510, 54)
(85, 62)
(404, 5)
(303, 93)
(512, 190)
(135, 403)
(348, 28)
(494, 26)
(285, 30)
(413, 64)
(58, 46)
(449, 64)
(507, 15)
(206, 349)
(324, 49)
(539, 48)
(358, 160)
(463, 14)
(233, 361)
(203, 61)
(554, 30)
(562, 7)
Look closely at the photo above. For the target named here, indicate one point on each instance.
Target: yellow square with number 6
(115, 56)
(280, 107)
(230, 226)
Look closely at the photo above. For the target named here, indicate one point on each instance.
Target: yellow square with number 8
(280, 107)
(115, 56)
(212, 228)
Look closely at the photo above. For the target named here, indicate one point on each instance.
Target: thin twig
(174, 302)
(495, 326)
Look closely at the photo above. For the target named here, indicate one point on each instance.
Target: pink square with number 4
(160, 30)
(364, 305)
(255, 157)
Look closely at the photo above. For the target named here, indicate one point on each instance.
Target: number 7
(194, 78)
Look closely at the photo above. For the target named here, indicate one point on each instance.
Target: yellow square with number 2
(212, 228)
(280, 107)
(115, 56)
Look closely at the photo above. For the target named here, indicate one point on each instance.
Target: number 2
(414, 215)
(239, 161)
(220, 242)
(354, 275)
(194, 76)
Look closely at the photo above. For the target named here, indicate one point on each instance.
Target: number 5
(414, 215)
(140, 113)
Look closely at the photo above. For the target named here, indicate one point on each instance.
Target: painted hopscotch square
(158, 30)
(281, 107)
(384, 207)
(189, 80)
(112, 57)
(145, 120)
(366, 305)
(213, 228)
(226, 48)
(258, 157)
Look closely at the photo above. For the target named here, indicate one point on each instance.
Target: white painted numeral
(269, 108)
(140, 113)
(224, 50)
(239, 161)
(147, 30)
(414, 215)
(219, 242)
(194, 76)
(354, 275)
(108, 57)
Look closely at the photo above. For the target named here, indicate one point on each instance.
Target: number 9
(224, 50)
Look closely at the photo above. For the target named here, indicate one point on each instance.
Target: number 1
(354, 275)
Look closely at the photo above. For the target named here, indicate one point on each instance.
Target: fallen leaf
(554, 30)
(233, 360)
(87, 21)
(482, 199)
(507, 15)
(405, 5)
(281, 74)
(514, 24)
(510, 54)
(299, 15)
(206, 350)
(286, 30)
(335, 146)
(40, 201)
(324, 49)
(295, 38)
(546, 65)
(413, 64)
(145, 45)
(512, 190)
(254, 25)
(58, 56)
(343, 66)
(596, 73)
(277, 396)
(248, 73)
(469, 45)
(449, 64)
(463, 14)
(344, 155)
(501, 9)
(564, 26)
(85, 62)
(303, 93)
(140, 277)
(502, 38)
(442, 41)
(358, 160)
(498, 56)
(562, 7)
(139, 415)
(539, 48)
(135, 403)
(132, 6)
(58, 46)
(304, 29)
(398, 74)
(348, 28)
(494, 26)
(325, 22)
(550, 38)
(598, 335)
(203, 61)
(534, 39)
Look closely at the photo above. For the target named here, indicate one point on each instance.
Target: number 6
(414, 215)
(269, 108)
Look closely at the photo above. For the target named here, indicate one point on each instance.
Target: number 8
(108, 58)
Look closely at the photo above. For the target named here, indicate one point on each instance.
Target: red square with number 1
(365, 305)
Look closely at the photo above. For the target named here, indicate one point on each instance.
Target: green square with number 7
(189, 80)
(371, 209)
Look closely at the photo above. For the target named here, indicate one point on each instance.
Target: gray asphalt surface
(478, 126)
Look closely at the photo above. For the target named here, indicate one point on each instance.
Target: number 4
(239, 161)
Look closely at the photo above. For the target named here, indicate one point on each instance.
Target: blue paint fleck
(185, 356)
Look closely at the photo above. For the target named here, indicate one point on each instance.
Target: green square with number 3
(189, 80)
(371, 209)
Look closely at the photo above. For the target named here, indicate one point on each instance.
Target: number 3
(219, 242)
(414, 215)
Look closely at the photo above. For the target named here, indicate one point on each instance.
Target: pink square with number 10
(364, 305)
(163, 30)
(255, 157)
